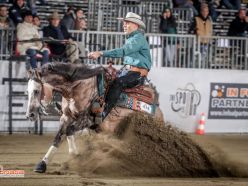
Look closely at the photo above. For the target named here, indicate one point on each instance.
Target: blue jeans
(31, 53)
(129, 80)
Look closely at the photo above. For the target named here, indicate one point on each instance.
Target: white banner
(185, 94)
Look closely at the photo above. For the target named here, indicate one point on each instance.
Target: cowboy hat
(134, 18)
(54, 15)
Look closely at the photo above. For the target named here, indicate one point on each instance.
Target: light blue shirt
(136, 51)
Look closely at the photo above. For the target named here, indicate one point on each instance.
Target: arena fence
(102, 14)
(180, 51)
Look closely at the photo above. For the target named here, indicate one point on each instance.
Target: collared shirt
(136, 51)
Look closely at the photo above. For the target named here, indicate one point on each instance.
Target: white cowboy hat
(134, 18)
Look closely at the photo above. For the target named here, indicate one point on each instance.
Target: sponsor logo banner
(228, 101)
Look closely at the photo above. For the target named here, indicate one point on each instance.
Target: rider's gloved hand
(95, 55)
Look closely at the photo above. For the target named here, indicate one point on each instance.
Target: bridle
(42, 108)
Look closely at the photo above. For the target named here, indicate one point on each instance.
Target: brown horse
(78, 87)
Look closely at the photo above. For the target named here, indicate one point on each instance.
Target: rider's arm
(132, 45)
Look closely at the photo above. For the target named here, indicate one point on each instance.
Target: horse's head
(39, 94)
(34, 97)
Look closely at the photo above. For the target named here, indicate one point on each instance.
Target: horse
(77, 83)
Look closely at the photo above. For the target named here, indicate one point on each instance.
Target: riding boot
(99, 118)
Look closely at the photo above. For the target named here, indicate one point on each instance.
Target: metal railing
(223, 52)
(180, 51)
(6, 46)
(102, 14)
(184, 17)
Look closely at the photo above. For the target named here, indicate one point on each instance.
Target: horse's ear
(37, 74)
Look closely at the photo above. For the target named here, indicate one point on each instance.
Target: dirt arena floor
(227, 153)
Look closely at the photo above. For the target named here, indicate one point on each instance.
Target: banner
(228, 101)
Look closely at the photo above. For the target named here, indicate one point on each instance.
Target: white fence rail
(181, 51)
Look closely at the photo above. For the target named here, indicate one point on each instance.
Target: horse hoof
(40, 167)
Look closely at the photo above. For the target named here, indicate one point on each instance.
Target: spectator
(72, 19)
(81, 24)
(5, 21)
(68, 48)
(16, 11)
(212, 5)
(239, 26)
(202, 26)
(168, 25)
(36, 21)
(28, 31)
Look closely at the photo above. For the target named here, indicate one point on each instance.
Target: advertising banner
(228, 101)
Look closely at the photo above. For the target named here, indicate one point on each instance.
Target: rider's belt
(143, 71)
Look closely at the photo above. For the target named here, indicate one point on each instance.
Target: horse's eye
(36, 92)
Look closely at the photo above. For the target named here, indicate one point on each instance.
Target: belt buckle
(128, 67)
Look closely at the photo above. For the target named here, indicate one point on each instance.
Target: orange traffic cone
(201, 125)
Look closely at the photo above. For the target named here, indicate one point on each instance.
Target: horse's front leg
(65, 129)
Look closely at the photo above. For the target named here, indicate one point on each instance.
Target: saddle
(139, 98)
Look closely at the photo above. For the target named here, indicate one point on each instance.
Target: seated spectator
(37, 23)
(81, 25)
(16, 11)
(168, 25)
(239, 26)
(72, 19)
(202, 26)
(5, 21)
(28, 31)
(68, 47)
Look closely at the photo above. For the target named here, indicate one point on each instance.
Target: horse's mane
(72, 72)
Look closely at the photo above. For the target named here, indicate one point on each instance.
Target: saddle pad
(134, 104)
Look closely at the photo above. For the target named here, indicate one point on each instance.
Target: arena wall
(186, 93)
(183, 94)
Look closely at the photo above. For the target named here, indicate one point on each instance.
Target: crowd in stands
(22, 15)
(202, 24)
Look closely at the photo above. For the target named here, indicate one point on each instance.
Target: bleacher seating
(102, 14)
(223, 21)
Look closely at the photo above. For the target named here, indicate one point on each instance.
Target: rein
(42, 109)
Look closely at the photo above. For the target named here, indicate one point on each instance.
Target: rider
(137, 60)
